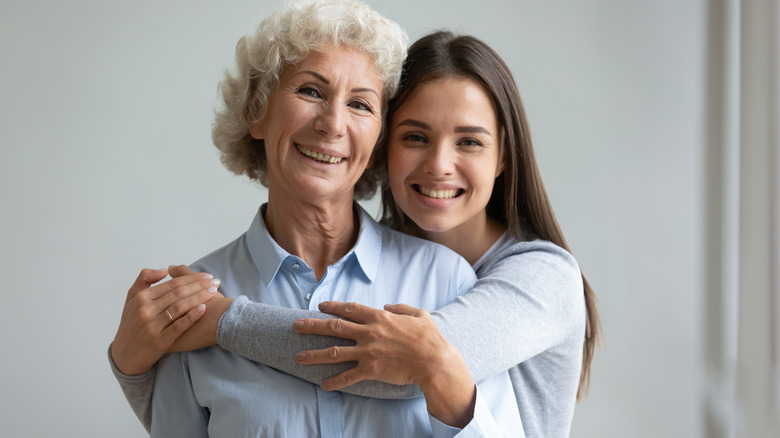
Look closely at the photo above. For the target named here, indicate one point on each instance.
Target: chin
(434, 227)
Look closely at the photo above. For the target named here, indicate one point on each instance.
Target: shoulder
(396, 242)
(424, 260)
(540, 263)
(222, 258)
(536, 251)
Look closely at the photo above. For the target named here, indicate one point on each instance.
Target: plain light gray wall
(107, 167)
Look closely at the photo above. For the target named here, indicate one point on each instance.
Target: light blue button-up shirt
(213, 392)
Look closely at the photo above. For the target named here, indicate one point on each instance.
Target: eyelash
(365, 107)
(414, 138)
(473, 142)
(310, 91)
(417, 138)
(356, 104)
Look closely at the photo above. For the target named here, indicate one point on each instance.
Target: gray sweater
(526, 313)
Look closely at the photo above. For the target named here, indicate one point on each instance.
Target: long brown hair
(519, 196)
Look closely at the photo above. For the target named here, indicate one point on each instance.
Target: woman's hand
(203, 333)
(155, 316)
(398, 345)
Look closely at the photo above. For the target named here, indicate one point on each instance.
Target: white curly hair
(285, 38)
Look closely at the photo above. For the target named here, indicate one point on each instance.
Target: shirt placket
(328, 402)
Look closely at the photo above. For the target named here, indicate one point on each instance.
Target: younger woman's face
(444, 154)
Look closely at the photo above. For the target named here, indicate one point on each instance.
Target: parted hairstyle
(284, 38)
(519, 198)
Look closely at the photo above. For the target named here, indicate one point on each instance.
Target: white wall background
(107, 167)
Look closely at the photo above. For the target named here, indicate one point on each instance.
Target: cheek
(368, 134)
(482, 179)
(397, 168)
(397, 161)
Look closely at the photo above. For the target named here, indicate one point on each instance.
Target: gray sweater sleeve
(528, 296)
(138, 391)
(528, 299)
(264, 334)
(523, 303)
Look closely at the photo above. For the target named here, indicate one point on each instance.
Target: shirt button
(308, 297)
(296, 265)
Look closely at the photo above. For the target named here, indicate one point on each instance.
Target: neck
(320, 234)
(471, 240)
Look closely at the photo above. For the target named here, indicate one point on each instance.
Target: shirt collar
(268, 256)
(368, 247)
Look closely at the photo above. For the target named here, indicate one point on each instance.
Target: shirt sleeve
(138, 391)
(523, 304)
(482, 425)
(175, 409)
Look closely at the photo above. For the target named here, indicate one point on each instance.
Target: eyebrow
(458, 129)
(327, 82)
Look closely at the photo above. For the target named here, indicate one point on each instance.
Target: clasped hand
(180, 314)
(398, 345)
(155, 315)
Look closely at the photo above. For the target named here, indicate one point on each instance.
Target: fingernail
(215, 282)
(207, 276)
(212, 290)
(323, 306)
(300, 357)
(298, 325)
(161, 270)
(201, 308)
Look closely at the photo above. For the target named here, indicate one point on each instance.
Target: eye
(310, 92)
(361, 106)
(470, 142)
(414, 138)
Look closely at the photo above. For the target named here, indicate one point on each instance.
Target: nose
(438, 160)
(331, 121)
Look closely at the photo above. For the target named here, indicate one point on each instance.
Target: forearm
(449, 391)
(264, 334)
(494, 413)
(524, 305)
(484, 423)
(138, 391)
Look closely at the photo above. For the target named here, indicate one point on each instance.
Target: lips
(438, 194)
(318, 156)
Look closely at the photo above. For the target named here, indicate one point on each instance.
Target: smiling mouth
(316, 156)
(438, 194)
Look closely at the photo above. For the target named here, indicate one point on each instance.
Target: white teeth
(438, 194)
(318, 156)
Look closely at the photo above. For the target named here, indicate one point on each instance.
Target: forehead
(339, 64)
(450, 100)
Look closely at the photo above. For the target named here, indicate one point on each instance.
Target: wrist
(450, 392)
(219, 307)
(126, 368)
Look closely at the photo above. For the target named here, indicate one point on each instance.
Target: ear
(257, 131)
(501, 155)
(500, 167)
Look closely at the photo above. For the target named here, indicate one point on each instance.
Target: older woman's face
(321, 124)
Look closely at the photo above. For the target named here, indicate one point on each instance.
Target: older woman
(302, 115)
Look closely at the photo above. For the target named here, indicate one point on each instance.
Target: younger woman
(461, 172)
